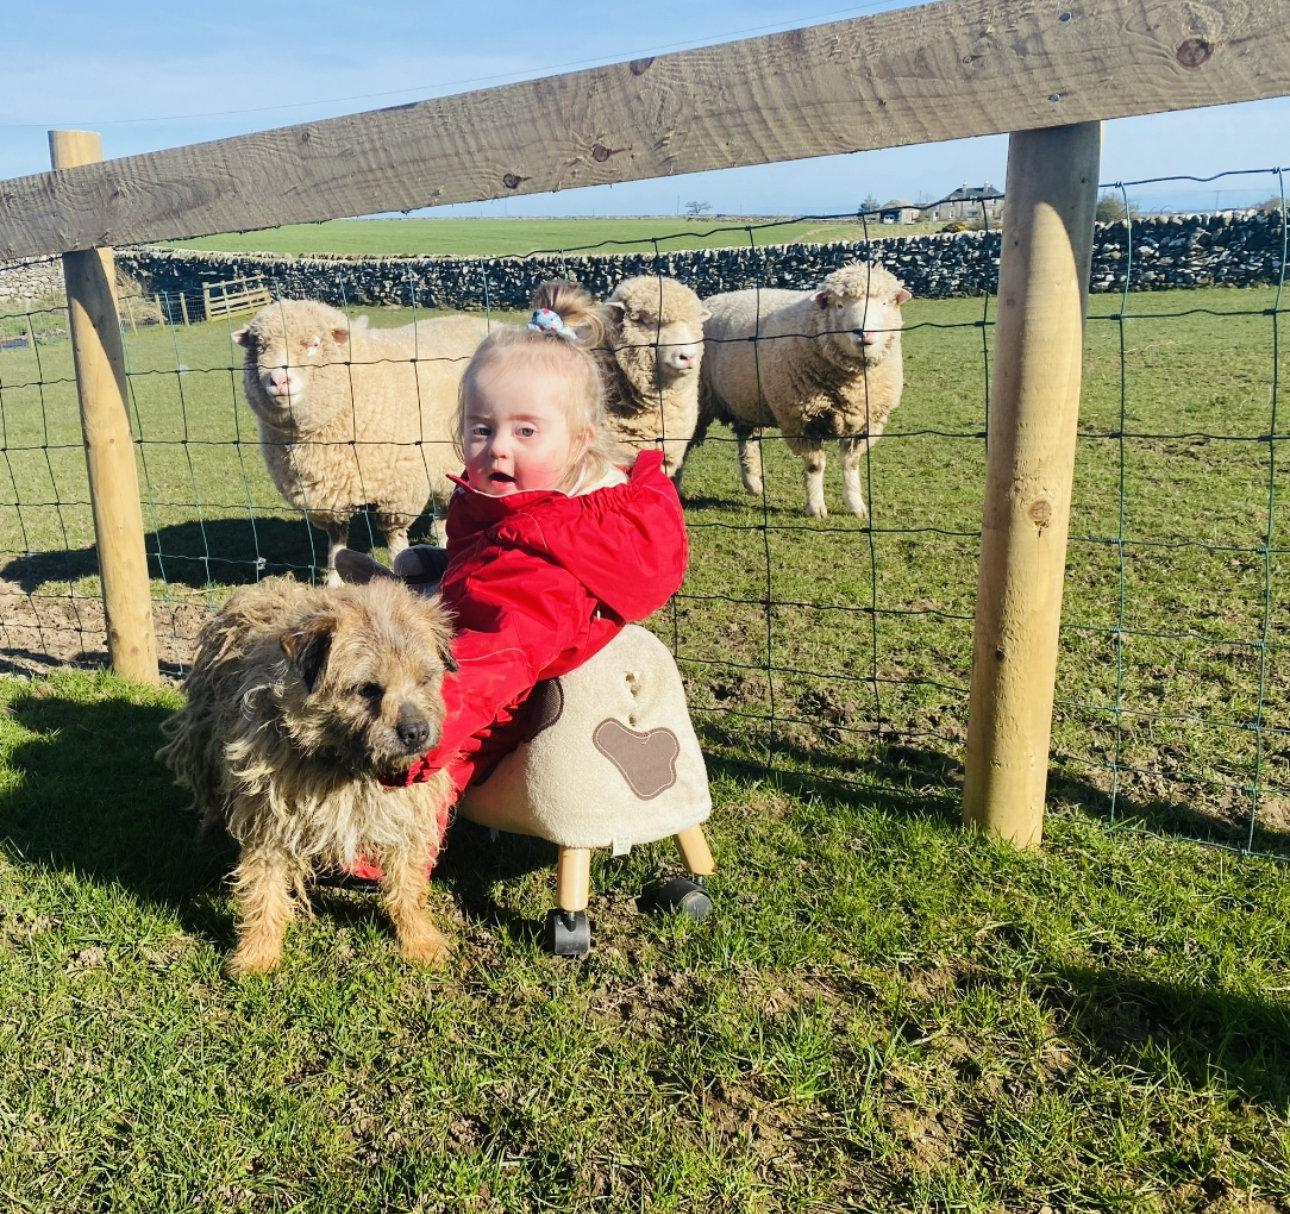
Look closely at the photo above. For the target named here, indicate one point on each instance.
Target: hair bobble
(545, 320)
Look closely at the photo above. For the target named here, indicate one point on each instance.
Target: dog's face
(369, 663)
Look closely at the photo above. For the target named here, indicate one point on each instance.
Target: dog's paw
(249, 960)
(425, 948)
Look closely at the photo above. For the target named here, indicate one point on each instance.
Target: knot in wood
(639, 67)
(1041, 512)
(511, 181)
(600, 153)
(1194, 52)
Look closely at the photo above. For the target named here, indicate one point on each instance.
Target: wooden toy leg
(567, 933)
(695, 855)
(573, 878)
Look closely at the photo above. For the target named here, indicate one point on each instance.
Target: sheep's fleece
(825, 364)
(353, 416)
(650, 366)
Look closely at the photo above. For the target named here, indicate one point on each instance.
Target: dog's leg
(262, 883)
(403, 888)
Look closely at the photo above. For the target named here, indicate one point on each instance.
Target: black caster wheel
(567, 933)
(681, 895)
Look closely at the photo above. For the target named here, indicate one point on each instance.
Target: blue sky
(150, 75)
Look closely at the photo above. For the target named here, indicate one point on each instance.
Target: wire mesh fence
(827, 649)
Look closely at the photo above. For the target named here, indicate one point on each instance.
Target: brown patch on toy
(544, 708)
(647, 761)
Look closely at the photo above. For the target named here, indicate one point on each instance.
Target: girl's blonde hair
(548, 353)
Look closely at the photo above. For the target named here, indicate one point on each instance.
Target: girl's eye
(479, 432)
(527, 431)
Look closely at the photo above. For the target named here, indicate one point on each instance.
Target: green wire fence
(834, 650)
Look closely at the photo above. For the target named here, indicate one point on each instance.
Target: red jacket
(538, 582)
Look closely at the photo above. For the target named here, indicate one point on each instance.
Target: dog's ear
(445, 650)
(308, 647)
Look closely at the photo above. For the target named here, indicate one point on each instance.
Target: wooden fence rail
(919, 75)
(1046, 72)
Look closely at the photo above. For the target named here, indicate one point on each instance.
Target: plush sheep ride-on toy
(608, 757)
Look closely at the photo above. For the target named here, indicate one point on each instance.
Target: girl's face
(517, 432)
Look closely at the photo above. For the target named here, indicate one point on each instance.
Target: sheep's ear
(821, 298)
(308, 648)
(902, 296)
(616, 309)
(241, 335)
(704, 315)
(340, 334)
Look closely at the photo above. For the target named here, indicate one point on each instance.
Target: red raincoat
(538, 582)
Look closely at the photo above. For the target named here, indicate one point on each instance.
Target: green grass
(884, 1013)
(497, 237)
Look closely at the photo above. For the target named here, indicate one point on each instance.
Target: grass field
(885, 1014)
(497, 237)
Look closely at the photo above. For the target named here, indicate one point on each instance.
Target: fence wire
(833, 649)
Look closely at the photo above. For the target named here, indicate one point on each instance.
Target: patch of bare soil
(40, 633)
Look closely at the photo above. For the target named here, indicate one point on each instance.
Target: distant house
(969, 202)
(897, 210)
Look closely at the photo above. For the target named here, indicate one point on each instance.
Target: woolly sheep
(650, 363)
(352, 416)
(824, 364)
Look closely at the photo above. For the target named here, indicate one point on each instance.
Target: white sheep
(823, 364)
(353, 416)
(650, 363)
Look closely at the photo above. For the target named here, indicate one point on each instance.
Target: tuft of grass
(884, 1013)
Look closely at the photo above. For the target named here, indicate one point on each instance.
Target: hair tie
(545, 320)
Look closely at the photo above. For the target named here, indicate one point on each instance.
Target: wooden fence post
(109, 448)
(1034, 408)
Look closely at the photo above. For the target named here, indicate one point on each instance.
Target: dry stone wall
(1175, 251)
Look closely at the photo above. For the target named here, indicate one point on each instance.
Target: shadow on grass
(218, 552)
(923, 780)
(90, 799)
(1213, 1038)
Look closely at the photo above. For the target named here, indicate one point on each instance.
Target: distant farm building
(969, 202)
(897, 210)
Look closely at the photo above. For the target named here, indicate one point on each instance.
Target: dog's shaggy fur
(301, 701)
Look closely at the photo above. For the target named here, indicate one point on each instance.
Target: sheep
(352, 416)
(818, 364)
(649, 364)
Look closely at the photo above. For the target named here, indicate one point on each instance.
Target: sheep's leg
(750, 467)
(852, 450)
(813, 475)
(396, 536)
(337, 538)
(852, 497)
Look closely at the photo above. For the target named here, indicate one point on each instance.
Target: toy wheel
(681, 895)
(567, 933)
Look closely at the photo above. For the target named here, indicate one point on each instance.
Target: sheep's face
(862, 329)
(655, 353)
(285, 347)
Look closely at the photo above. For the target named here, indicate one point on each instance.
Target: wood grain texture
(951, 70)
(1034, 414)
(109, 448)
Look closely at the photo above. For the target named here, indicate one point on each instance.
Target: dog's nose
(412, 728)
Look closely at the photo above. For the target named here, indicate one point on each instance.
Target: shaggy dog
(302, 704)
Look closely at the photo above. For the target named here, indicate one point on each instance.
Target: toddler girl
(551, 547)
